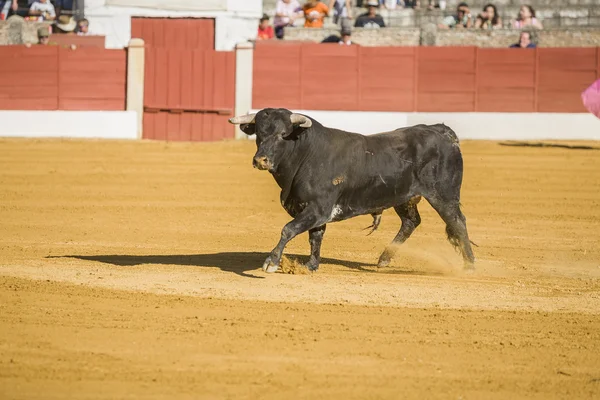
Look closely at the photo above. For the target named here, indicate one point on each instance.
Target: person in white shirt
(43, 9)
(286, 13)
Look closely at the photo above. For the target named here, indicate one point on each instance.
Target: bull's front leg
(308, 219)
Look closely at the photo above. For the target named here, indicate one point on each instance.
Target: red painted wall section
(185, 81)
(189, 88)
(387, 78)
(277, 75)
(329, 76)
(54, 78)
(425, 79)
(598, 62)
(175, 33)
(92, 79)
(506, 80)
(446, 79)
(563, 75)
(28, 78)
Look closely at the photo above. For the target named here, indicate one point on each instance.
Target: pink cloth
(591, 98)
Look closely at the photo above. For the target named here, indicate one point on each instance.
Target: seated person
(314, 13)
(43, 9)
(489, 18)
(66, 24)
(525, 41)
(265, 31)
(370, 19)
(462, 19)
(83, 27)
(286, 13)
(343, 39)
(527, 18)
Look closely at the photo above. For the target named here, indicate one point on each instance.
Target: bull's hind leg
(456, 229)
(410, 220)
(315, 238)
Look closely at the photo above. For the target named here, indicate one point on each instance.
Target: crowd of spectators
(488, 18)
(314, 12)
(60, 14)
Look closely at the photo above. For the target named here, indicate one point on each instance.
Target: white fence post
(244, 57)
(135, 81)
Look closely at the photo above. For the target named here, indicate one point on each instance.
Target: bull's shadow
(237, 262)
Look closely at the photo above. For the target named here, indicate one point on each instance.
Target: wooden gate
(189, 90)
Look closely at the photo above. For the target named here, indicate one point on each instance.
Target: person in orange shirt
(314, 13)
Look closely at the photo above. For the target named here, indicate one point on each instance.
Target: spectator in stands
(346, 34)
(44, 35)
(314, 13)
(7, 8)
(265, 31)
(343, 39)
(462, 19)
(342, 9)
(66, 24)
(43, 9)
(527, 18)
(370, 19)
(489, 18)
(83, 27)
(526, 41)
(286, 13)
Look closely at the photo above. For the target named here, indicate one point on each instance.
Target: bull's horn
(301, 120)
(243, 119)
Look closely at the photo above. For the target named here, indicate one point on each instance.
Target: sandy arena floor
(131, 270)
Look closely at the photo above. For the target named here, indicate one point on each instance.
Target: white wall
(202, 5)
(489, 126)
(235, 25)
(229, 31)
(250, 6)
(71, 124)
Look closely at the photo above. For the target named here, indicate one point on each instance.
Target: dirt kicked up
(132, 270)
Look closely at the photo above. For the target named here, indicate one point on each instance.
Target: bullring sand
(132, 270)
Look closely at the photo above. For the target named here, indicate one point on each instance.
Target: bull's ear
(299, 123)
(246, 123)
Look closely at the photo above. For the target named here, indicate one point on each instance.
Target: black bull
(328, 175)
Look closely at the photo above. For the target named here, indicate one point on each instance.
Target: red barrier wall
(175, 33)
(189, 91)
(55, 78)
(426, 79)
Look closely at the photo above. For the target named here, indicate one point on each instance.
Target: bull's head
(274, 129)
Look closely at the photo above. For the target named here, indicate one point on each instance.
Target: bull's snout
(262, 163)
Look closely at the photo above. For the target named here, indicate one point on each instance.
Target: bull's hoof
(469, 267)
(312, 266)
(269, 266)
(272, 268)
(384, 260)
